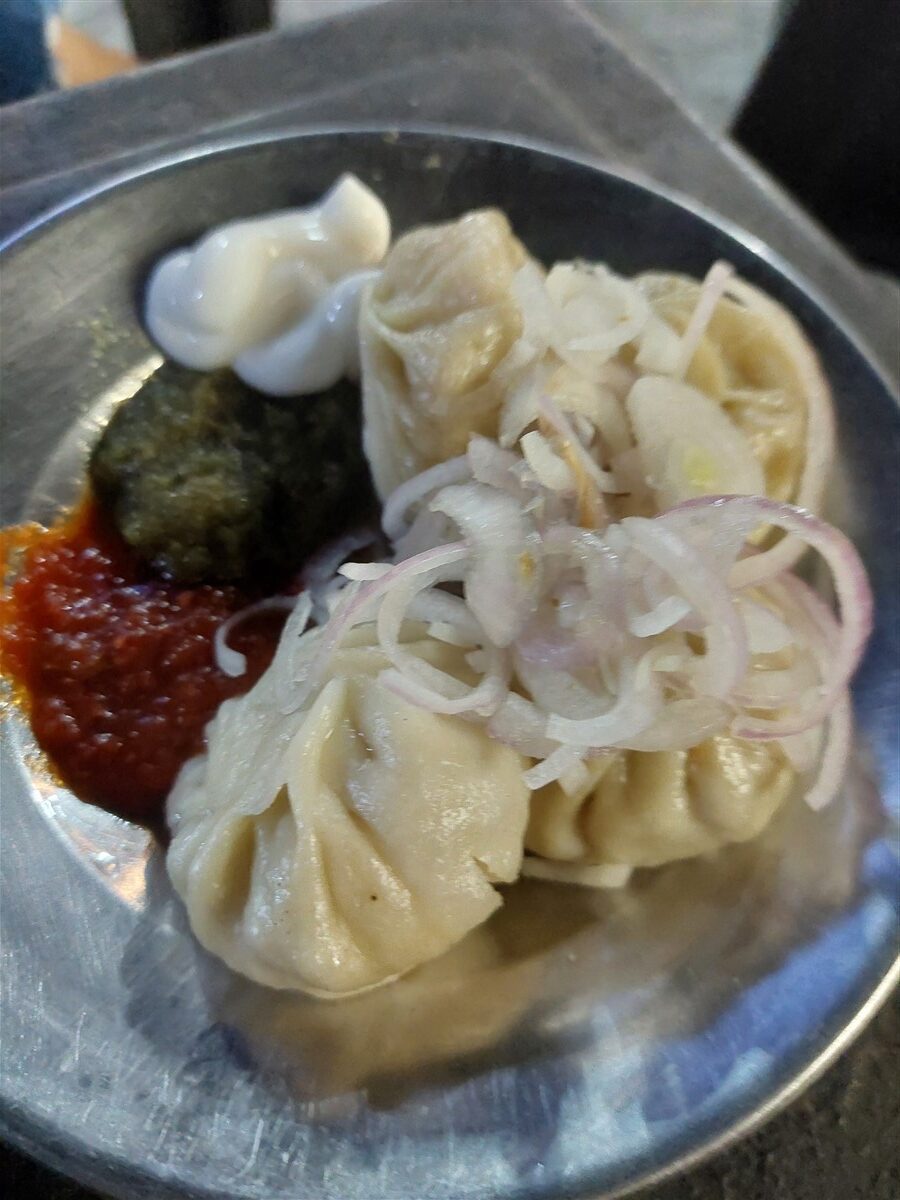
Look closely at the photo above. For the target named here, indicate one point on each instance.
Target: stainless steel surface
(539, 68)
(581, 1042)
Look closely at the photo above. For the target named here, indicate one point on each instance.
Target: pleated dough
(434, 329)
(335, 848)
(642, 809)
(743, 364)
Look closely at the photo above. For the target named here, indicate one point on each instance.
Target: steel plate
(580, 1043)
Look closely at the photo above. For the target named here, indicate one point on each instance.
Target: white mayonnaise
(275, 297)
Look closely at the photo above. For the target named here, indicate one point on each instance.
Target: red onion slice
(420, 682)
(725, 663)
(357, 607)
(850, 584)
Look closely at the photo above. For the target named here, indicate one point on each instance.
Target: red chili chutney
(116, 668)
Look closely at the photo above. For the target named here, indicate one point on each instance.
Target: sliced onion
(553, 767)
(595, 314)
(681, 725)
(660, 349)
(481, 700)
(549, 469)
(850, 584)
(364, 572)
(433, 688)
(357, 607)
(668, 612)
(713, 289)
(838, 733)
(429, 529)
(530, 293)
(415, 490)
(520, 724)
(318, 570)
(494, 466)
(720, 541)
(767, 632)
(546, 645)
(777, 689)
(725, 662)
(836, 752)
(561, 425)
(689, 445)
(636, 707)
(441, 606)
(501, 580)
(556, 691)
(231, 662)
(451, 635)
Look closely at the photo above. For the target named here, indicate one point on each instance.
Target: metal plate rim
(14, 1120)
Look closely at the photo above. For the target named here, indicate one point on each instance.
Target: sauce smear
(116, 668)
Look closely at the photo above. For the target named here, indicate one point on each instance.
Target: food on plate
(753, 359)
(114, 666)
(747, 409)
(583, 651)
(276, 297)
(644, 808)
(209, 481)
(316, 845)
(435, 326)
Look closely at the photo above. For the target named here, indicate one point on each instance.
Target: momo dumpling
(643, 809)
(335, 848)
(434, 328)
(754, 361)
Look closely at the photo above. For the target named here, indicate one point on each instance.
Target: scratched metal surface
(581, 1042)
(556, 75)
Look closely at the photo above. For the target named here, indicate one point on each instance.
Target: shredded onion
(501, 580)
(363, 572)
(725, 661)
(318, 575)
(415, 490)
(357, 608)
(549, 469)
(638, 701)
(711, 292)
(838, 731)
(850, 584)
(553, 767)
(231, 662)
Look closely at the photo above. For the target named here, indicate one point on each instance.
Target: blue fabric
(25, 64)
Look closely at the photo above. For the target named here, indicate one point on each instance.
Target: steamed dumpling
(744, 366)
(335, 848)
(642, 809)
(434, 328)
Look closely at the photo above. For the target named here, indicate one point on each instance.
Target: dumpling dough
(642, 809)
(434, 328)
(744, 366)
(335, 848)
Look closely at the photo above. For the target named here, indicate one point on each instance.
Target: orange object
(78, 59)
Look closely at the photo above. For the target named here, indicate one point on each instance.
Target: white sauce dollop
(275, 297)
